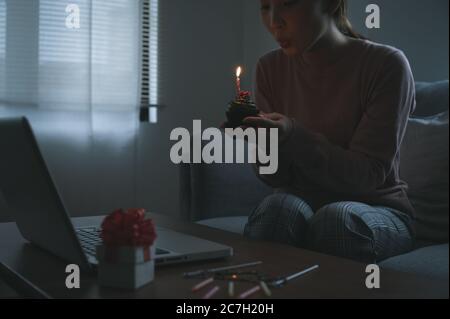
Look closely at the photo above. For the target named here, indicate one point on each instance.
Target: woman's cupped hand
(283, 123)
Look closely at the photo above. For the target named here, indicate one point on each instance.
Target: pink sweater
(350, 122)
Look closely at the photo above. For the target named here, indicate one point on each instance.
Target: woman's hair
(342, 21)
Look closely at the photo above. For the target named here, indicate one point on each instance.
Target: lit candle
(238, 80)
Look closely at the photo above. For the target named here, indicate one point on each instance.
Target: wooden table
(336, 277)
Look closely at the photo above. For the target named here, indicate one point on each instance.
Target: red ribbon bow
(128, 228)
(244, 93)
(244, 96)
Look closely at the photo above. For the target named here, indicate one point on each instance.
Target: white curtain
(2, 46)
(94, 67)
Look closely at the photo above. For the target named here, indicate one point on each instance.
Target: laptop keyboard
(90, 238)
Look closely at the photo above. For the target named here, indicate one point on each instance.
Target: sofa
(223, 195)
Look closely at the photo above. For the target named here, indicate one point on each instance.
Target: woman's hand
(283, 123)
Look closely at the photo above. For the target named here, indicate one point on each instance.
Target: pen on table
(250, 292)
(202, 284)
(21, 285)
(265, 288)
(211, 293)
(231, 288)
(282, 281)
(213, 270)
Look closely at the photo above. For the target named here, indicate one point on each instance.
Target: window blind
(2, 46)
(150, 61)
(96, 65)
(101, 65)
(64, 57)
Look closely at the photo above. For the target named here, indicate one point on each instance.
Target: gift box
(126, 257)
(125, 267)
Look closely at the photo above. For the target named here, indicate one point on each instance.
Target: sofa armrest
(219, 190)
(431, 98)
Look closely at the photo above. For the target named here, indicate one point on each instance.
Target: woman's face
(295, 24)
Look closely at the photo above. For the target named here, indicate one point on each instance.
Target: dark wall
(418, 27)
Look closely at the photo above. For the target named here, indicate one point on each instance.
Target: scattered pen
(249, 292)
(213, 270)
(265, 288)
(231, 289)
(202, 284)
(282, 281)
(211, 293)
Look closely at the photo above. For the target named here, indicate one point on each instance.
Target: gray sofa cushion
(424, 166)
(431, 262)
(432, 98)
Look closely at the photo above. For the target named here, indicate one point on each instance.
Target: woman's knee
(279, 217)
(282, 205)
(337, 216)
(340, 229)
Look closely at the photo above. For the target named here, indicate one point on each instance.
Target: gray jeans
(347, 229)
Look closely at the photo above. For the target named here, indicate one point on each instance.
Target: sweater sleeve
(363, 166)
(263, 99)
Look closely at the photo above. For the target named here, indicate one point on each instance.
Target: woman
(341, 105)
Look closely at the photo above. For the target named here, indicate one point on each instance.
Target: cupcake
(239, 109)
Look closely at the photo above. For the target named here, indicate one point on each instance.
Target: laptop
(33, 199)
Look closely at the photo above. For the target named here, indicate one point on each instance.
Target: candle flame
(238, 72)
